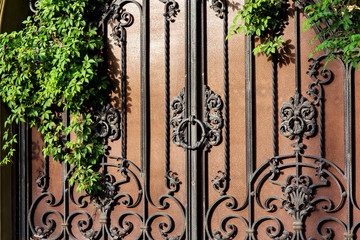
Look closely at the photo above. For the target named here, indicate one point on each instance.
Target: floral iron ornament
(298, 119)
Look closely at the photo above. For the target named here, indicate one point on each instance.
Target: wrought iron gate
(210, 163)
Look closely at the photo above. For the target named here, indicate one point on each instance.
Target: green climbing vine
(265, 19)
(338, 22)
(52, 66)
(341, 36)
(49, 67)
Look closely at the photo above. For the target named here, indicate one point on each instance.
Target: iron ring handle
(191, 120)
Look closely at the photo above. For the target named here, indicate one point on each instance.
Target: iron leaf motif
(41, 181)
(175, 237)
(177, 107)
(274, 169)
(118, 235)
(218, 7)
(298, 118)
(298, 194)
(123, 19)
(174, 182)
(41, 233)
(301, 4)
(213, 118)
(171, 10)
(218, 236)
(84, 230)
(219, 182)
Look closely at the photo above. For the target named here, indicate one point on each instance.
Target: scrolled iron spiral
(329, 232)
(271, 231)
(49, 223)
(165, 228)
(232, 227)
(123, 227)
(84, 225)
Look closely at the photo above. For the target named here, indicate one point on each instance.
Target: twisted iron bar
(167, 99)
(226, 98)
(171, 9)
(274, 105)
(123, 98)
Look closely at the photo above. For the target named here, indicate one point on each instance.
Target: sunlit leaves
(265, 19)
(339, 24)
(49, 67)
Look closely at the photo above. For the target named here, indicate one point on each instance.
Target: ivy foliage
(339, 24)
(265, 19)
(49, 67)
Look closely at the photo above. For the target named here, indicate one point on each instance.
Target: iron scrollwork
(298, 197)
(315, 89)
(210, 127)
(123, 20)
(213, 118)
(177, 107)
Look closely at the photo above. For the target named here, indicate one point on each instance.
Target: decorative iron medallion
(210, 127)
(107, 123)
(298, 118)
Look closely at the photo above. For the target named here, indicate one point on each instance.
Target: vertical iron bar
(297, 52)
(105, 67)
(297, 80)
(123, 93)
(187, 89)
(65, 169)
(46, 172)
(194, 104)
(321, 127)
(145, 103)
(167, 100)
(205, 192)
(250, 121)
(23, 181)
(348, 141)
(226, 99)
(274, 105)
